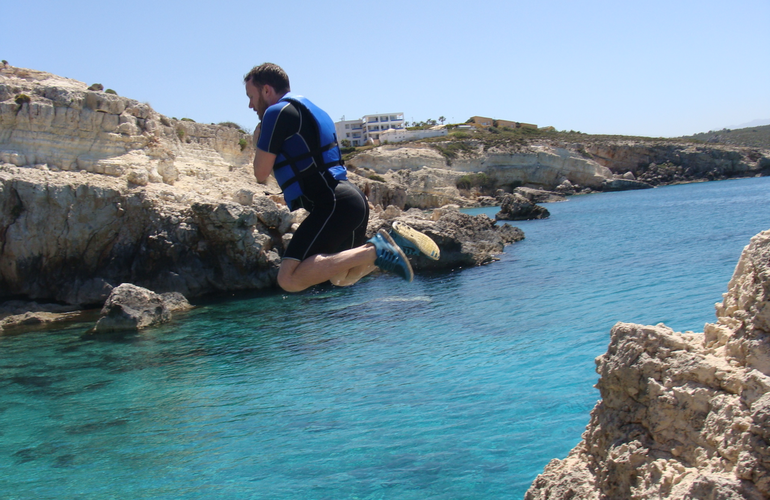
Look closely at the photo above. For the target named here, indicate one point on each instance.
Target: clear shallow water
(460, 385)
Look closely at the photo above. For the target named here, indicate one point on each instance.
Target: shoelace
(388, 258)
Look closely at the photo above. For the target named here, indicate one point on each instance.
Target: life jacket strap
(292, 160)
(300, 176)
(318, 165)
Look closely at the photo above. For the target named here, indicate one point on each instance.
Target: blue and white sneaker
(390, 257)
(413, 242)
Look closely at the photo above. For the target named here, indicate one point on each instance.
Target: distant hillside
(757, 137)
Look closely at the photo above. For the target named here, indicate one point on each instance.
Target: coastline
(97, 190)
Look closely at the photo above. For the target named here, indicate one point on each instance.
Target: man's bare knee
(289, 284)
(291, 287)
(286, 279)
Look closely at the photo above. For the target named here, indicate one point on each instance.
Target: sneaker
(414, 242)
(390, 257)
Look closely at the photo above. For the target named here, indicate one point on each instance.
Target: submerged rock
(132, 308)
(682, 415)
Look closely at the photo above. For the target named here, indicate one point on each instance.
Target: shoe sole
(422, 241)
(400, 252)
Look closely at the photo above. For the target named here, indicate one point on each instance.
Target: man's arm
(263, 165)
(279, 121)
(263, 161)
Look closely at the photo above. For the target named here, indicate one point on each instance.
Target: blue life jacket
(297, 162)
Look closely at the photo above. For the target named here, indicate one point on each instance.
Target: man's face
(257, 100)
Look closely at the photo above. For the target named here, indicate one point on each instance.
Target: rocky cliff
(56, 124)
(534, 165)
(595, 165)
(98, 190)
(682, 415)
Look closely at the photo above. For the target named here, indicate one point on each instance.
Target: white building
(351, 130)
(358, 132)
(411, 135)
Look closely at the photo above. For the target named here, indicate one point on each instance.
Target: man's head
(265, 85)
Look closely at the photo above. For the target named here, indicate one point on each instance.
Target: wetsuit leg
(336, 223)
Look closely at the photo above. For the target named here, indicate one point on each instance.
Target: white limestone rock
(682, 415)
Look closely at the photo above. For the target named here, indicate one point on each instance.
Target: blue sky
(653, 68)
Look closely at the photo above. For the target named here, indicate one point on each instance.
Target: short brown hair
(269, 74)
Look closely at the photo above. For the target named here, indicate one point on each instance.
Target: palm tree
(441, 120)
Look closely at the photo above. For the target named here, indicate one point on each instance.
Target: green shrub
(376, 177)
(465, 182)
(232, 125)
(180, 133)
(188, 120)
(23, 99)
(480, 180)
(96, 87)
(450, 150)
(242, 142)
(110, 91)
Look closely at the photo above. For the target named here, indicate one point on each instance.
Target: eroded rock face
(65, 126)
(71, 239)
(98, 190)
(663, 163)
(537, 165)
(681, 415)
(595, 165)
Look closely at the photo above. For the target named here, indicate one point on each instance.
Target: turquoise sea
(462, 385)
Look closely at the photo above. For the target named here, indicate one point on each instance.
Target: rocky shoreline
(97, 190)
(682, 415)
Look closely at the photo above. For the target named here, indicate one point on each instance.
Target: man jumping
(296, 141)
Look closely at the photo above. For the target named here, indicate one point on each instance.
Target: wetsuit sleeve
(280, 122)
